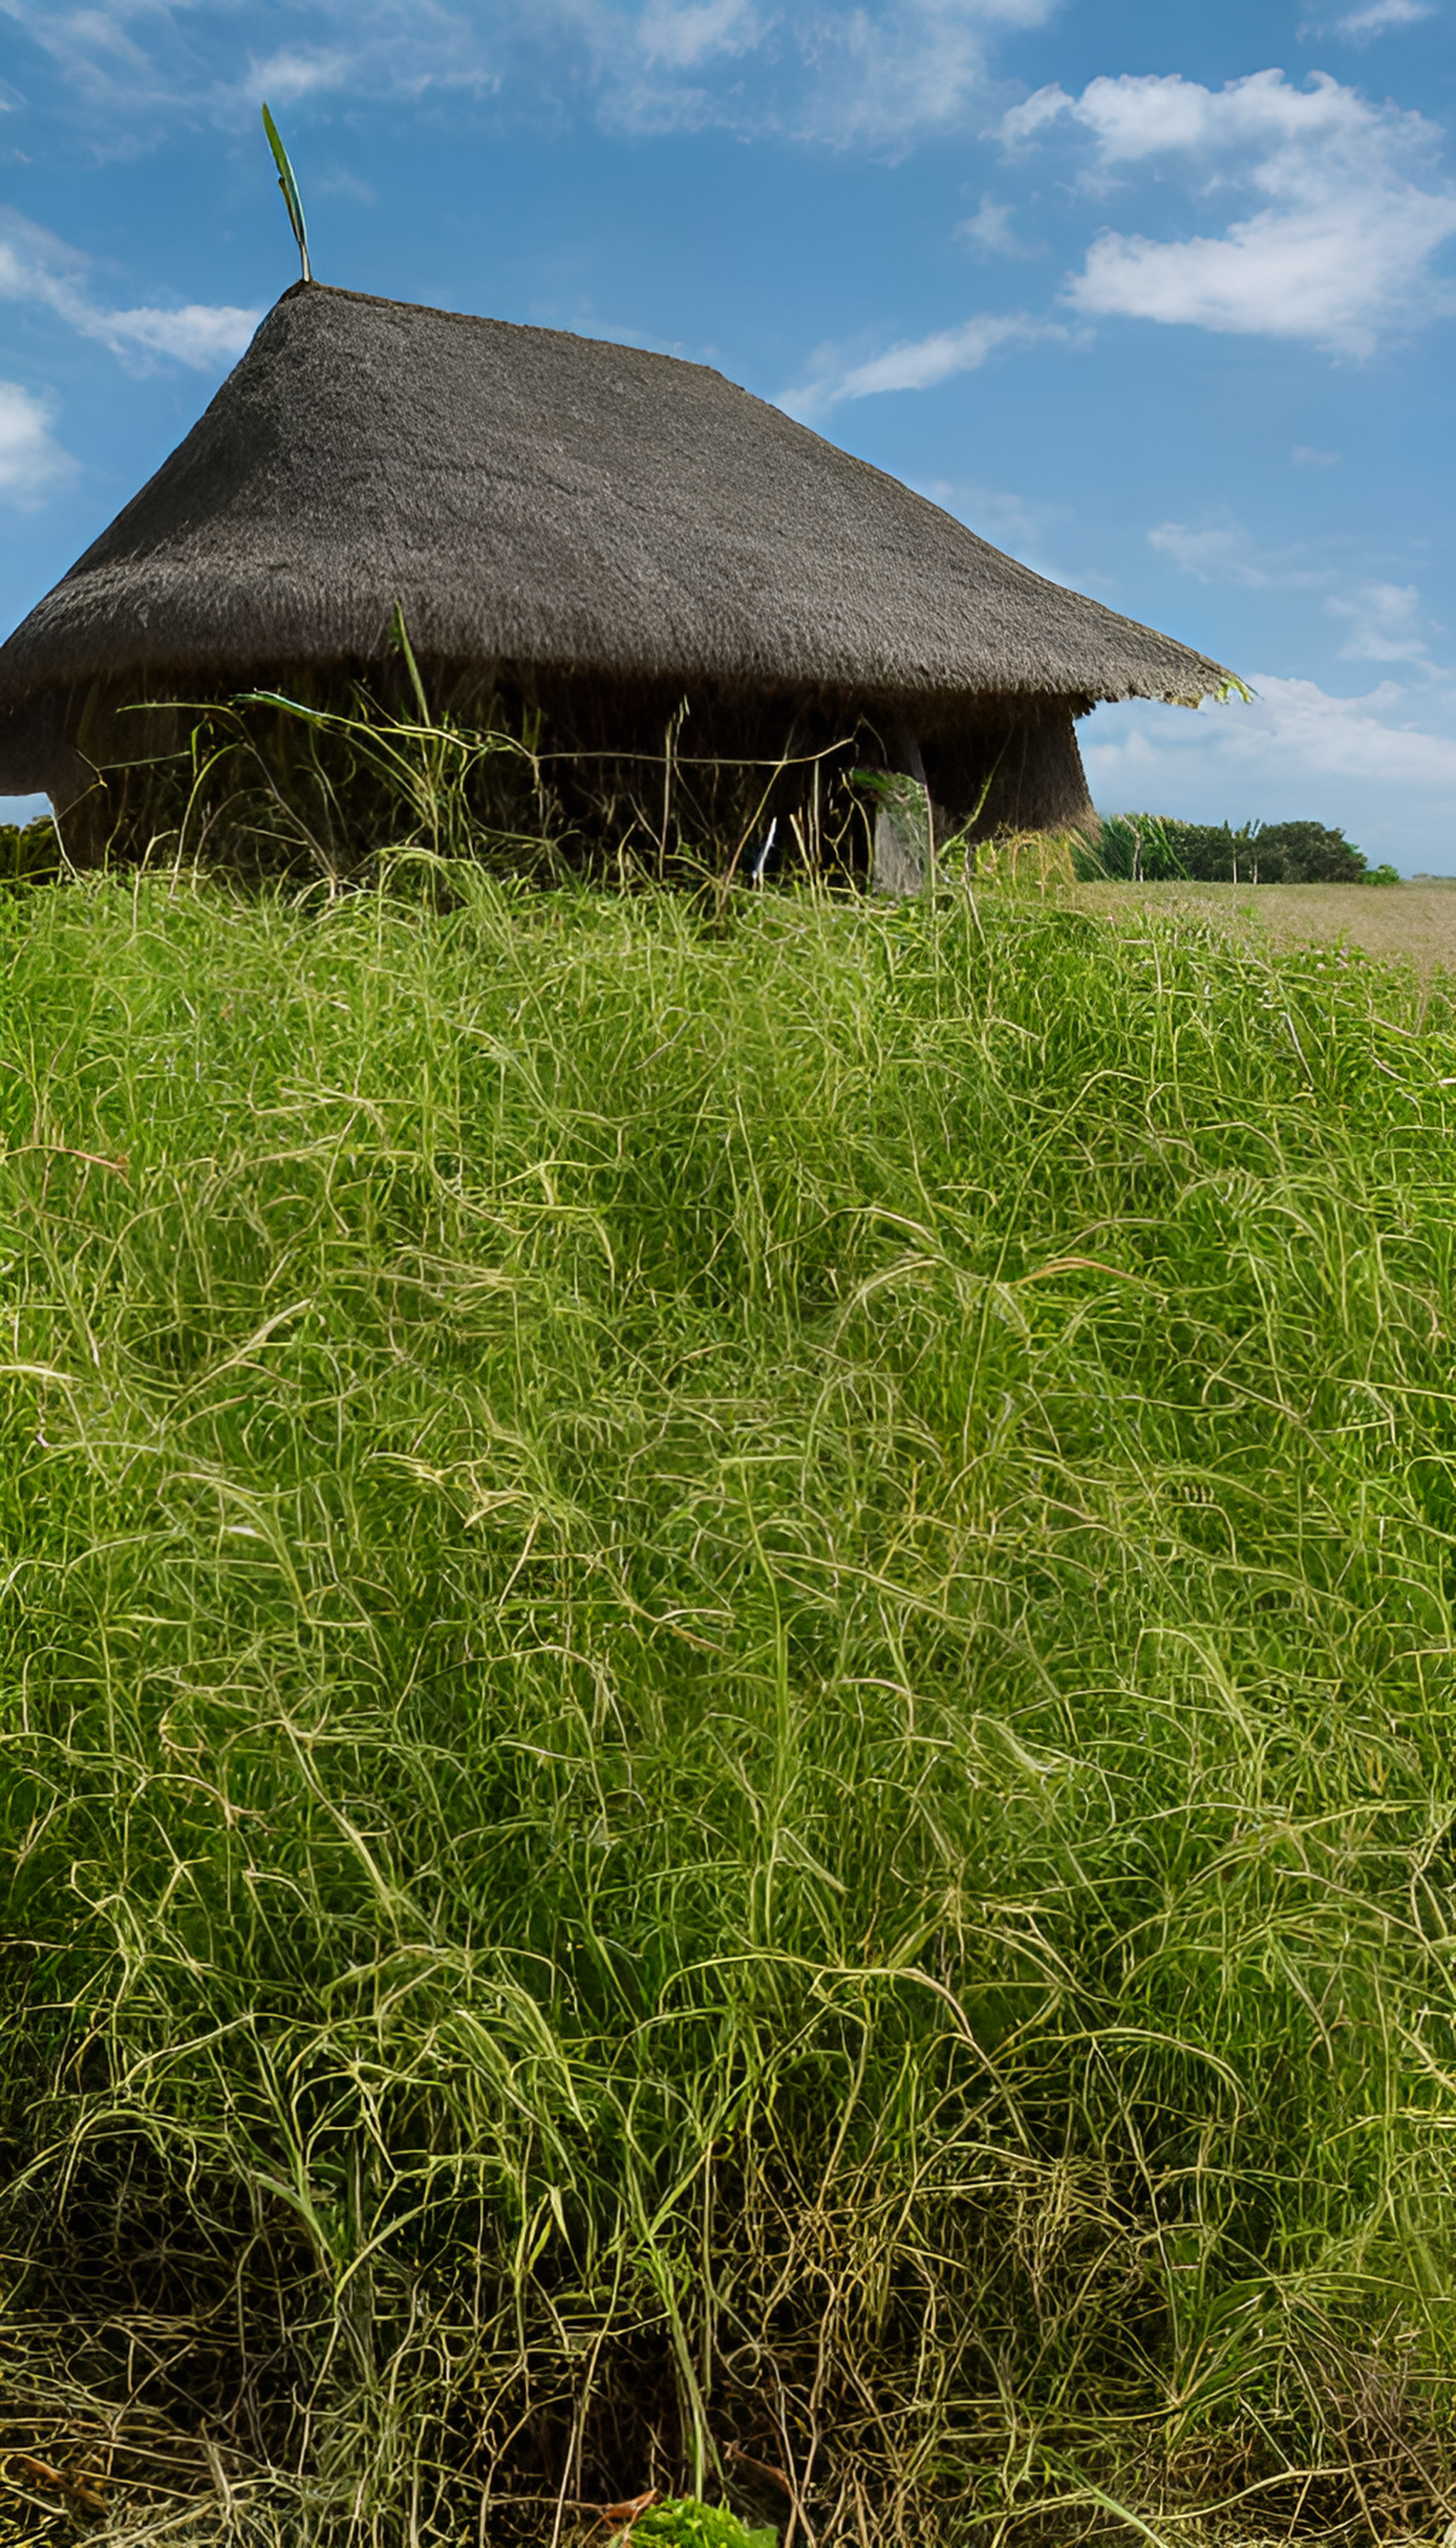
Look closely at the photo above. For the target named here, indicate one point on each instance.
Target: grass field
(727, 1719)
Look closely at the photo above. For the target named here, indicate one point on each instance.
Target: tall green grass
(728, 1715)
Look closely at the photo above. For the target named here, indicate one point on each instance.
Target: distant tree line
(1149, 848)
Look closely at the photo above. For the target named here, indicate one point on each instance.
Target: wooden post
(904, 833)
(899, 853)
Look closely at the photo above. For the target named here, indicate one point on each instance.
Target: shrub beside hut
(694, 615)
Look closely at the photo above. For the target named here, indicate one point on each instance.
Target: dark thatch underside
(579, 527)
(622, 778)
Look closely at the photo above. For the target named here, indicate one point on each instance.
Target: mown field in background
(1415, 924)
(727, 1717)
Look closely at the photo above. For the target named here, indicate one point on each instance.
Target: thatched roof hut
(557, 516)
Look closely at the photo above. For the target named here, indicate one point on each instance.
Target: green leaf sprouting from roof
(289, 189)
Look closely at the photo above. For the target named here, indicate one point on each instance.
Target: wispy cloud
(396, 48)
(920, 363)
(1387, 625)
(887, 74)
(36, 266)
(126, 59)
(1362, 26)
(685, 34)
(1034, 530)
(876, 73)
(993, 511)
(1340, 252)
(991, 231)
(199, 333)
(1225, 553)
(1307, 455)
(32, 461)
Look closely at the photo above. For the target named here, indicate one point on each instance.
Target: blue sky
(1159, 299)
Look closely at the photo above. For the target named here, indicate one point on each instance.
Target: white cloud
(1311, 734)
(1363, 24)
(31, 457)
(1378, 765)
(36, 267)
(1132, 117)
(1340, 252)
(201, 333)
(1386, 624)
(295, 72)
(919, 364)
(1306, 455)
(1323, 275)
(1135, 116)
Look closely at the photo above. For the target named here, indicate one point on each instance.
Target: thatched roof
(536, 498)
